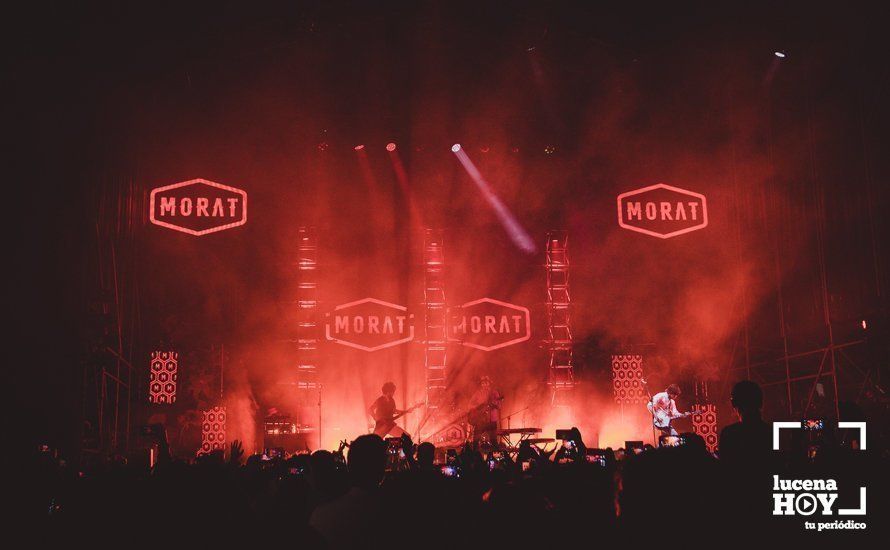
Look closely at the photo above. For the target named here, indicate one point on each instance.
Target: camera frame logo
(806, 497)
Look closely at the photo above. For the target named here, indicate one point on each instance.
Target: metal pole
(823, 273)
(221, 369)
(120, 345)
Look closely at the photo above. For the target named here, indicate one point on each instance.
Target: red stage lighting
(704, 423)
(359, 147)
(627, 376)
(323, 146)
(455, 148)
(390, 147)
(162, 377)
(213, 430)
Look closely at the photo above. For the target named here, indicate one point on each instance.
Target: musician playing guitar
(663, 407)
(385, 413)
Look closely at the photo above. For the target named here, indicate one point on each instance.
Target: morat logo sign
(370, 324)
(662, 211)
(490, 324)
(198, 207)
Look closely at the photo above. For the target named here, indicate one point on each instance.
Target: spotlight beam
(377, 204)
(515, 231)
(405, 186)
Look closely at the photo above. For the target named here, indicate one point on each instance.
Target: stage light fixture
(163, 372)
(485, 149)
(704, 423)
(323, 146)
(390, 147)
(627, 376)
(779, 54)
(213, 430)
(455, 148)
(359, 147)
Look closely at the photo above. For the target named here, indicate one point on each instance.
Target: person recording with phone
(573, 448)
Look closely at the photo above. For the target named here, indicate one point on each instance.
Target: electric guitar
(661, 418)
(382, 426)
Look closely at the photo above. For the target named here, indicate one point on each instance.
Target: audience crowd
(368, 495)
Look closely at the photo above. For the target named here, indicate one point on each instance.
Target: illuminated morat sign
(490, 324)
(370, 324)
(662, 211)
(198, 207)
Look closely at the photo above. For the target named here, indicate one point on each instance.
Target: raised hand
(236, 451)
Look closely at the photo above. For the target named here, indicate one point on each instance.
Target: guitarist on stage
(663, 407)
(384, 412)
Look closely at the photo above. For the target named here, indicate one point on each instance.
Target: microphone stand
(514, 413)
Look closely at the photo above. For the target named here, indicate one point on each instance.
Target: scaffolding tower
(112, 316)
(435, 314)
(559, 328)
(806, 376)
(307, 332)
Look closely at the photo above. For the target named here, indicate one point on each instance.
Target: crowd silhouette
(357, 497)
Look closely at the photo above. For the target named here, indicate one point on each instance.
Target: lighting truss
(307, 309)
(435, 314)
(559, 328)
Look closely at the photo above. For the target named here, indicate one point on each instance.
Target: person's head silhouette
(366, 461)
(388, 389)
(747, 399)
(322, 469)
(426, 452)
